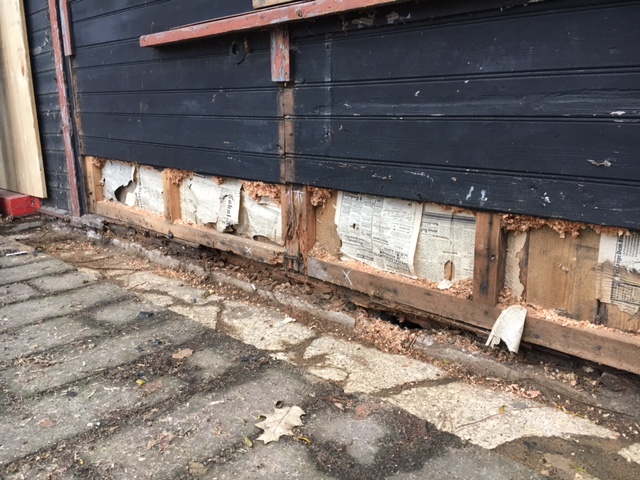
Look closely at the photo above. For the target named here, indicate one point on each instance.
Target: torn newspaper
(619, 272)
(203, 202)
(381, 232)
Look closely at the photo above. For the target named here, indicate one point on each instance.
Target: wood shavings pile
(522, 223)
(384, 335)
(177, 176)
(257, 190)
(98, 162)
(319, 196)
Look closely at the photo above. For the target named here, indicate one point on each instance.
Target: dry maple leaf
(280, 423)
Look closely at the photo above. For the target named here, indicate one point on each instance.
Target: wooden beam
(262, 252)
(93, 174)
(280, 52)
(489, 259)
(260, 19)
(171, 196)
(65, 118)
(608, 348)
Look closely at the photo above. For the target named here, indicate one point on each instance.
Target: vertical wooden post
(74, 196)
(171, 196)
(298, 225)
(489, 261)
(94, 182)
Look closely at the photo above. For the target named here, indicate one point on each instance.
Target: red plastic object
(17, 205)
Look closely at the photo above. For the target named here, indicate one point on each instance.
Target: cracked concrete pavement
(91, 387)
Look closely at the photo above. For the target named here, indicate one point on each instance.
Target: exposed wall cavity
(119, 182)
(149, 193)
(205, 202)
(408, 238)
(619, 272)
(260, 220)
(516, 242)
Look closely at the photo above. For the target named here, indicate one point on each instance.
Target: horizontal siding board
(566, 40)
(540, 147)
(204, 9)
(239, 103)
(230, 164)
(530, 195)
(179, 74)
(580, 94)
(52, 142)
(45, 82)
(119, 20)
(246, 135)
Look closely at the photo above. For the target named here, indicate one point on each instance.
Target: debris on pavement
(280, 423)
(508, 328)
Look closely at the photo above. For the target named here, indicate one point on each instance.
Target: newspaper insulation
(619, 268)
(381, 232)
(203, 202)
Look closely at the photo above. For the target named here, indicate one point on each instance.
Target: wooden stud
(171, 196)
(262, 252)
(613, 349)
(260, 19)
(280, 52)
(93, 175)
(489, 260)
(298, 225)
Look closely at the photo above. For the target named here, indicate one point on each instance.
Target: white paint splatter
(483, 197)
(469, 194)
(618, 112)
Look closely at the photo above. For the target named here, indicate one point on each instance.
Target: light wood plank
(270, 3)
(21, 169)
(171, 196)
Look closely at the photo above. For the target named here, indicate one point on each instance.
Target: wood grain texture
(562, 272)
(251, 249)
(489, 259)
(93, 181)
(604, 347)
(22, 168)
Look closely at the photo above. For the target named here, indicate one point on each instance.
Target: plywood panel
(22, 169)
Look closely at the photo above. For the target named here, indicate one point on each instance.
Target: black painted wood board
(246, 166)
(47, 103)
(539, 109)
(585, 201)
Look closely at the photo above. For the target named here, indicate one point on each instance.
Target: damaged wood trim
(171, 196)
(65, 118)
(264, 253)
(489, 258)
(65, 23)
(280, 54)
(608, 348)
(298, 225)
(259, 19)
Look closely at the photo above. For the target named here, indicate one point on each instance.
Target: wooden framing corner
(93, 175)
(280, 53)
(171, 197)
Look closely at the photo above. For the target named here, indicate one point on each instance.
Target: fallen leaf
(197, 469)
(248, 442)
(45, 423)
(280, 423)
(502, 410)
(162, 441)
(532, 393)
(182, 354)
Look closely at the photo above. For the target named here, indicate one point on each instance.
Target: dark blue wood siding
(47, 104)
(531, 109)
